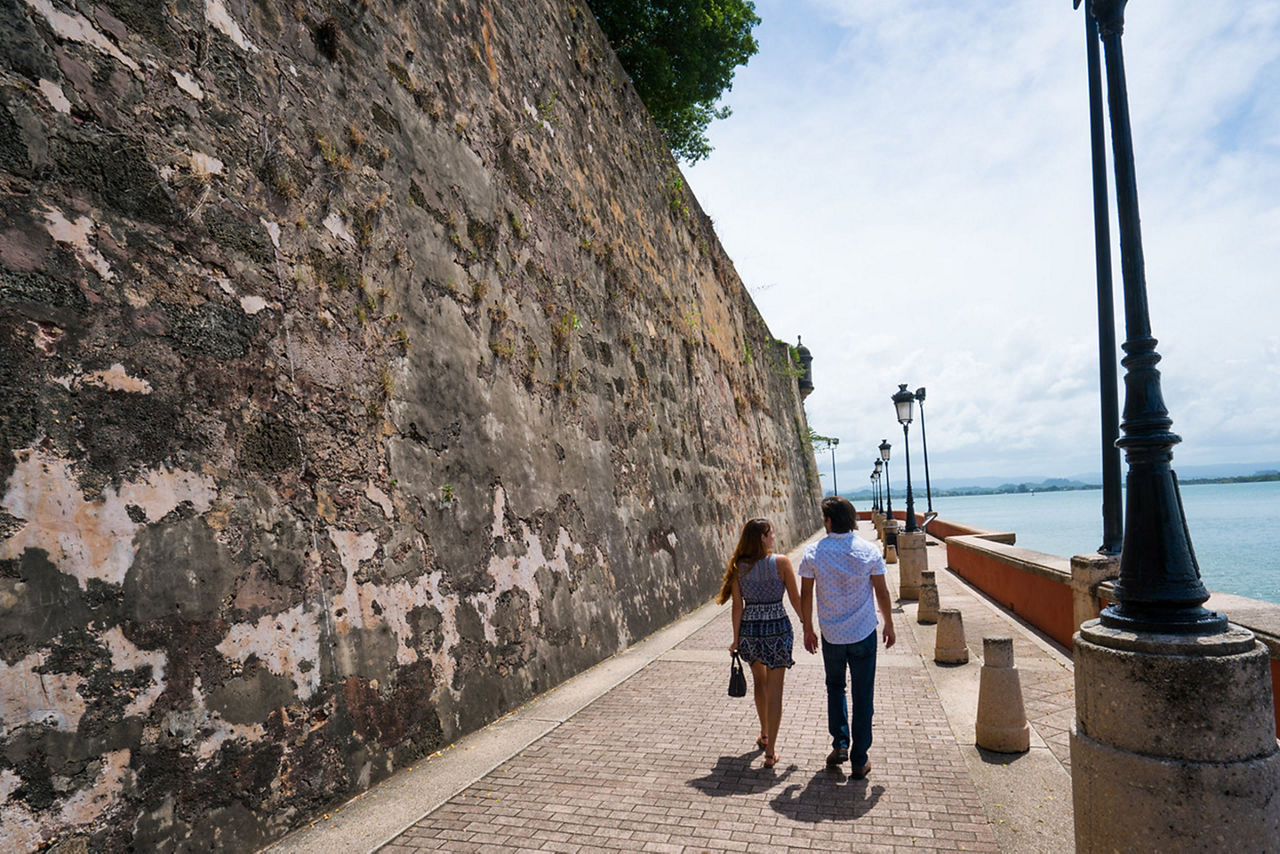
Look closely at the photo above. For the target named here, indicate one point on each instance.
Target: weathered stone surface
(365, 370)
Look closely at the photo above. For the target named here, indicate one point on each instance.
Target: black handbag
(737, 680)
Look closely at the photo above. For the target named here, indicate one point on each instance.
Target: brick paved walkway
(664, 761)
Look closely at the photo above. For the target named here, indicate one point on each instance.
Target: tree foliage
(681, 55)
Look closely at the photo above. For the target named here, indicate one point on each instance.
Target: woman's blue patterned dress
(765, 634)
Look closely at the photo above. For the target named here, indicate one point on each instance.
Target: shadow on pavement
(733, 775)
(829, 796)
(991, 757)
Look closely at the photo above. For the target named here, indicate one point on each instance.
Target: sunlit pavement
(647, 753)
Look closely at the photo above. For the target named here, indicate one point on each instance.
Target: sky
(906, 186)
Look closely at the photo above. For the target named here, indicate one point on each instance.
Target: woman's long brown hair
(750, 549)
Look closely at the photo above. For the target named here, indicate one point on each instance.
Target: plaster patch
(89, 539)
(9, 782)
(26, 697)
(377, 496)
(76, 235)
(225, 732)
(54, 95)
(218, 16)
(188, 85)
(499, 512)
(88, 804)
(125, 656)
(252, 305)
(78, 29)
(353, 548)
(116, 379)
(283, 642)
(273, 229)
(21, 830)
(206, 164)
(338, 227)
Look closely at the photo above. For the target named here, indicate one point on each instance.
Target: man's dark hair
(840, 511)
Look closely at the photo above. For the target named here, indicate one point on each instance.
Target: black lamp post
(1112, 512)
(903, 401)
(1159, 589)
(835, 490)
(879, 490)
(873, 492)
(928, 490)
(888, 493)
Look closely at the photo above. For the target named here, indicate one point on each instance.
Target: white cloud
(906, 184)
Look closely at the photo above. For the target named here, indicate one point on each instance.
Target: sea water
(1235, 528)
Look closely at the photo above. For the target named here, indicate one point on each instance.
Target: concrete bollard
(949, 646)
(927, 612)
(1002, 718)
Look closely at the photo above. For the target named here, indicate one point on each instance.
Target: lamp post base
(912, 561)
(1174, 746)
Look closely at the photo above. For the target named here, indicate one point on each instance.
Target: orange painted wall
(1044, 603)
(1275, 692)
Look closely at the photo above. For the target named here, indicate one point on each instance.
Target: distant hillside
(1228, 473)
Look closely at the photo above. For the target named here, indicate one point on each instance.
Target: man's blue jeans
(859, 659)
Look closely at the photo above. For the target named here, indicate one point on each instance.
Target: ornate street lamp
(835, 490)
(888, 493)
(928, 490)
(879, 489)
(1112, 512)
(873, 492)
(1159, 589)
(903, 401)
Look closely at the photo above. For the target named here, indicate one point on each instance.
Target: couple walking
(846, 573)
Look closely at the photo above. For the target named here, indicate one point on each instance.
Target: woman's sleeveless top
(766, 633)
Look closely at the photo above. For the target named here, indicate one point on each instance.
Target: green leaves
(681, 55)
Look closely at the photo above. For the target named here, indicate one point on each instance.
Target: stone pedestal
(949, 646)
(927, 611)
(1002, 717)
(1174, 746)
(912, 561)
(1087, 572)
(877, 520)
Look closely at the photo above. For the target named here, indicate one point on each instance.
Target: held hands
(810, 640)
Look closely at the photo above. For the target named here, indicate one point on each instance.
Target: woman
(756, 579)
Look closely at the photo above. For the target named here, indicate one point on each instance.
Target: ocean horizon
(1234, 527)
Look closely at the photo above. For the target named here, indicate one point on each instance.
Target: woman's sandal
(763, 742)
(770, 759)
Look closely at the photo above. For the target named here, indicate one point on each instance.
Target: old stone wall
(366, 369)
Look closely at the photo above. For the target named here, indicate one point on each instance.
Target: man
(847, 571)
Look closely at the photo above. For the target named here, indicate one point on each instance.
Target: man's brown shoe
(837, 756)
(861, 773)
